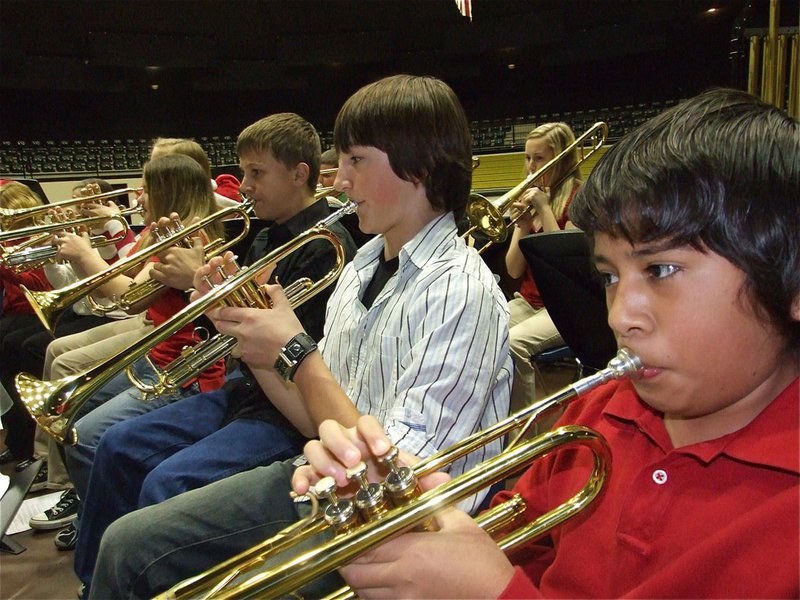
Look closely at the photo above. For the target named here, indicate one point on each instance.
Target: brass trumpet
(225, 580)
(138, 292)
(488, 216)
(198, 358)
(9, 217)
(49, 305)
(32, 253)
(54, 404)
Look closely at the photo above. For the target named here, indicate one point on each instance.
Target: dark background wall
(83, 70)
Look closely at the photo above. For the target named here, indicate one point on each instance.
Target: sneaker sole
(54, 524)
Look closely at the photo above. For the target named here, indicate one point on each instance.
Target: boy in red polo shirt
(694, 220)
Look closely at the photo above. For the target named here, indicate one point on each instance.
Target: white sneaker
(63, 513)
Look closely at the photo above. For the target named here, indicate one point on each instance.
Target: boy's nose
(626, 310)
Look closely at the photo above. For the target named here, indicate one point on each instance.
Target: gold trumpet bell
(47, 306)
(48, 404)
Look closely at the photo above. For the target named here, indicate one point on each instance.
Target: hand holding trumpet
(73, 247)
(178, 264)
(261, 333)
(409, 566)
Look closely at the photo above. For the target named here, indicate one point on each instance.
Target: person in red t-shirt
(15, 314)
(695, 228)
(542, 207)
(16, 196)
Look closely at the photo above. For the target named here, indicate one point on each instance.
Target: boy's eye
(662, 271)
(607, 279)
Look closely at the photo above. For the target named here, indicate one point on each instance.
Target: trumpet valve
(370, 498)
(340, 513)
(400, 482)
(403, 487)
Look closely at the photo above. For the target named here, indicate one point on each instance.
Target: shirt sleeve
(119, 249)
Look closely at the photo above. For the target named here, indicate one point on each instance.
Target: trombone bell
(48, 403)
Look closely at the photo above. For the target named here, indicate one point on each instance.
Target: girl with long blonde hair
(543, 208)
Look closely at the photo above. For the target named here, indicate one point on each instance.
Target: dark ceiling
(88, 69)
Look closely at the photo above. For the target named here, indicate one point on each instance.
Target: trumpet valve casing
(340, 514)
(370, 498)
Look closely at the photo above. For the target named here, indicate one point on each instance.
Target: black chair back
(572, 293)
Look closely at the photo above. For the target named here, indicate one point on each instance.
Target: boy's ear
(301, 172)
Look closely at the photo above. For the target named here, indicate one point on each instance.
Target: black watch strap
(293, 353)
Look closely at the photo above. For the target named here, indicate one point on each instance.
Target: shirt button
(660, 476)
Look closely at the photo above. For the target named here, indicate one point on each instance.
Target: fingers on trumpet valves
(370, 500)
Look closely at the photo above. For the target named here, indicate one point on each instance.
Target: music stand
(11, 501)
(572, 293)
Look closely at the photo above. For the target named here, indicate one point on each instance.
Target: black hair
(420, 124)
(719, 172)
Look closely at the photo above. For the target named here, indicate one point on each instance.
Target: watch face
(293, 353)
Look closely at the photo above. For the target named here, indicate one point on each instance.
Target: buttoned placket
(646, 500)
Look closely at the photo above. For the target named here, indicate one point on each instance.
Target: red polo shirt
(715, 519)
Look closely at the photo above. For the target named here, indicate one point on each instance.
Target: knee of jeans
(114, 444)
(159, 486)
(56, 365)
(122, 533)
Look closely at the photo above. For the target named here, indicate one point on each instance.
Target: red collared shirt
(715, 519)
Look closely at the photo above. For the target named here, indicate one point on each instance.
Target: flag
(465, 7)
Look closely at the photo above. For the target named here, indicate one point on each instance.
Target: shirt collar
(770, 440)
(302, 221)
(429, 241)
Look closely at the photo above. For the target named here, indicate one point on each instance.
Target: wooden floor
(43, 572)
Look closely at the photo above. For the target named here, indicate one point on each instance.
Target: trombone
(488, 216)
(54, 404)
(10, 217)
(49, 305)
(32, 252)
(354, 538)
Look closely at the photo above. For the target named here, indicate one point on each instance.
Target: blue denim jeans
(115, 402)
(158, 455)
(147, 551)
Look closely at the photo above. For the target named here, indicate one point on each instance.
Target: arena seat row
(52, 158)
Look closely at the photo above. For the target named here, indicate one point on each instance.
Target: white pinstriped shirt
(430, 358)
